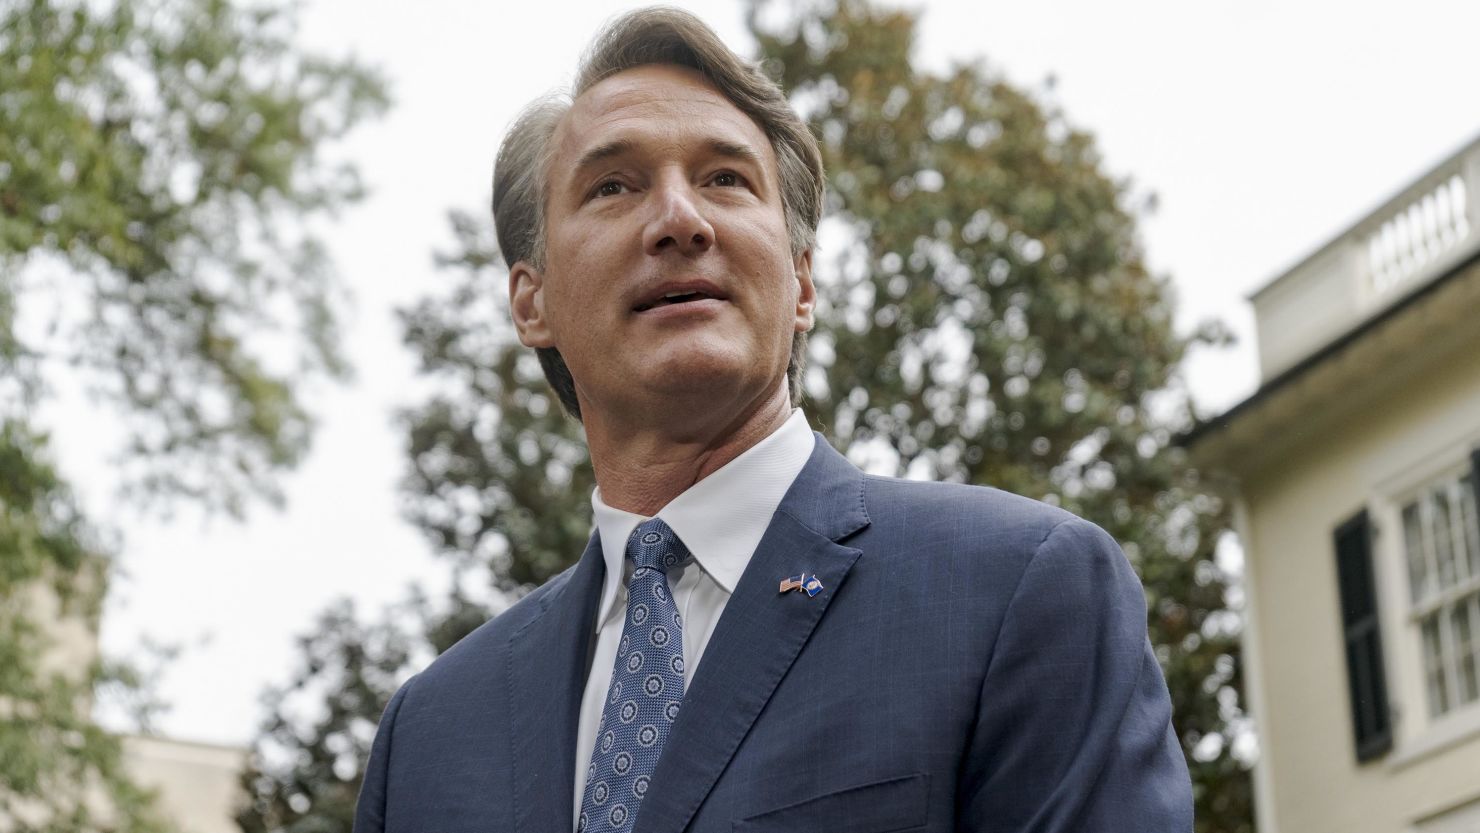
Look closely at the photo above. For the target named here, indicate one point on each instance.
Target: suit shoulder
(984, 540)
(959, 509)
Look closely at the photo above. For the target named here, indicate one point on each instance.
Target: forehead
(656, 105)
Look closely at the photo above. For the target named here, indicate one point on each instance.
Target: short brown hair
(657, 35)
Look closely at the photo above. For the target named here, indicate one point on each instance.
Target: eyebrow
(603, 152)
(733, 150)
(621, 147)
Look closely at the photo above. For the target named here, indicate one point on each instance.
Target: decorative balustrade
(1431, 225)
(1406, 242)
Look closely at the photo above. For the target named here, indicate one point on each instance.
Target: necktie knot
(655, 546)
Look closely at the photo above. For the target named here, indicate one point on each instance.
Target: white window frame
(1417, 733)
(1437, 604)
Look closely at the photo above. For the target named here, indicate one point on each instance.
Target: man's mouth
(683, 296)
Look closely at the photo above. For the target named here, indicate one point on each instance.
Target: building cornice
(1446, 307)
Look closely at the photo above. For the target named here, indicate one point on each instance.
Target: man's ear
(806, 291)
(527, 305)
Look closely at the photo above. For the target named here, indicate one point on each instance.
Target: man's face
(668, 267)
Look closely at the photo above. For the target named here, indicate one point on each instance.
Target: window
(1441, 537)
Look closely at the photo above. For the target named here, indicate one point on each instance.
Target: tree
(490, 454)
(161, 175)
(52, 753)
(499, 476)
(169, 153)
(303, 775)
(991, 320)
(987, 317)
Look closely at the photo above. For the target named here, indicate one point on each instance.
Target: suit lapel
(759, 635)
(547, 665)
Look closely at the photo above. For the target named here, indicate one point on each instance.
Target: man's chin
(696, 377)
(700, 382)
(693, 380)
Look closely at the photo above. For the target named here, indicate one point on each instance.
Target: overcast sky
(1263, 128)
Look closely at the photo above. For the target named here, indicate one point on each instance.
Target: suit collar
(547, 668)
(759, 636)
(827, 497)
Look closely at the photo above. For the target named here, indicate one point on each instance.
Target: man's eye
(610, 188)
(727, 179)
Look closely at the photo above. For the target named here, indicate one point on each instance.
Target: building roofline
(1394, 198)
(214, 746)
(1209, 426)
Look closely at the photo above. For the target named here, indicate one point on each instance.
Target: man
(758, 636)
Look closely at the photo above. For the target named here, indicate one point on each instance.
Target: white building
(1355, 467)
(197, 785)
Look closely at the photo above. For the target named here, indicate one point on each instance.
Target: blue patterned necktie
(646, 687)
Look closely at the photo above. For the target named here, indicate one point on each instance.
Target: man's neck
(640, 468)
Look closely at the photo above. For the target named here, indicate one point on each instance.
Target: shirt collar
(722, 518)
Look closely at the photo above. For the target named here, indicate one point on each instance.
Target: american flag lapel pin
(792, 583)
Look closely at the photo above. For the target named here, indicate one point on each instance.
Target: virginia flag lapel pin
(812, 585)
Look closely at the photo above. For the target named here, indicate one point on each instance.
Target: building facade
(197, 786)
(1354, 469)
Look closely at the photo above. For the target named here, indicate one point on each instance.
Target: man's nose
(678, 223)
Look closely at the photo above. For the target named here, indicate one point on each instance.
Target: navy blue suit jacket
(976, 661)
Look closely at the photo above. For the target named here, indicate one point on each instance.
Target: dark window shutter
(1366, 680)
(1475, 479)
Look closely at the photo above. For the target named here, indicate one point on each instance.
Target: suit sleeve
(1074, 728)
(370, 809)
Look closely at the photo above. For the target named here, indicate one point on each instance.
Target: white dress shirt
(721, 520)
